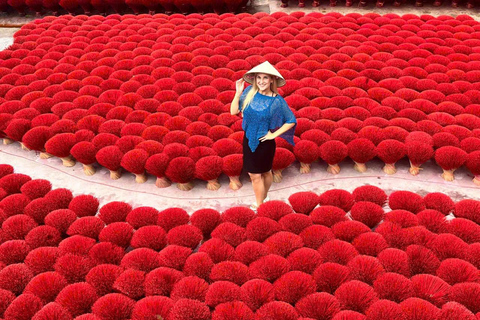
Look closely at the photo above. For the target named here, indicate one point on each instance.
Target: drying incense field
(147, 98)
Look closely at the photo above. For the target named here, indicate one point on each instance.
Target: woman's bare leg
(258, 187)
(267, 181)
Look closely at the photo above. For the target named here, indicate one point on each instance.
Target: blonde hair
(254, 90)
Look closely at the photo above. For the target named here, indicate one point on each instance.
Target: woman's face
(263, 81)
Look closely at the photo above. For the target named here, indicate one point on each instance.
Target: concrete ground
(318, 180)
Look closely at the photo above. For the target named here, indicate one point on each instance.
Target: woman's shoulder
(280, 99)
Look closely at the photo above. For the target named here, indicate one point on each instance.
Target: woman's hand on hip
(268, 136)
(239, 85)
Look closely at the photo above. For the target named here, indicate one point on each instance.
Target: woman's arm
(234, 107)
(280, 131)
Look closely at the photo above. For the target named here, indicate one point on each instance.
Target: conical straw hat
(266, 68)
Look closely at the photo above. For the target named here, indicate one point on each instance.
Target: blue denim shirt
(263, 114)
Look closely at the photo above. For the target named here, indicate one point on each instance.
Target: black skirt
(261, 160)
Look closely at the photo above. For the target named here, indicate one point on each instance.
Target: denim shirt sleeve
(281, 114)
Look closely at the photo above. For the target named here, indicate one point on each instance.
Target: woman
(266, 116)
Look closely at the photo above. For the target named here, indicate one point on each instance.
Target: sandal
(254, 205)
